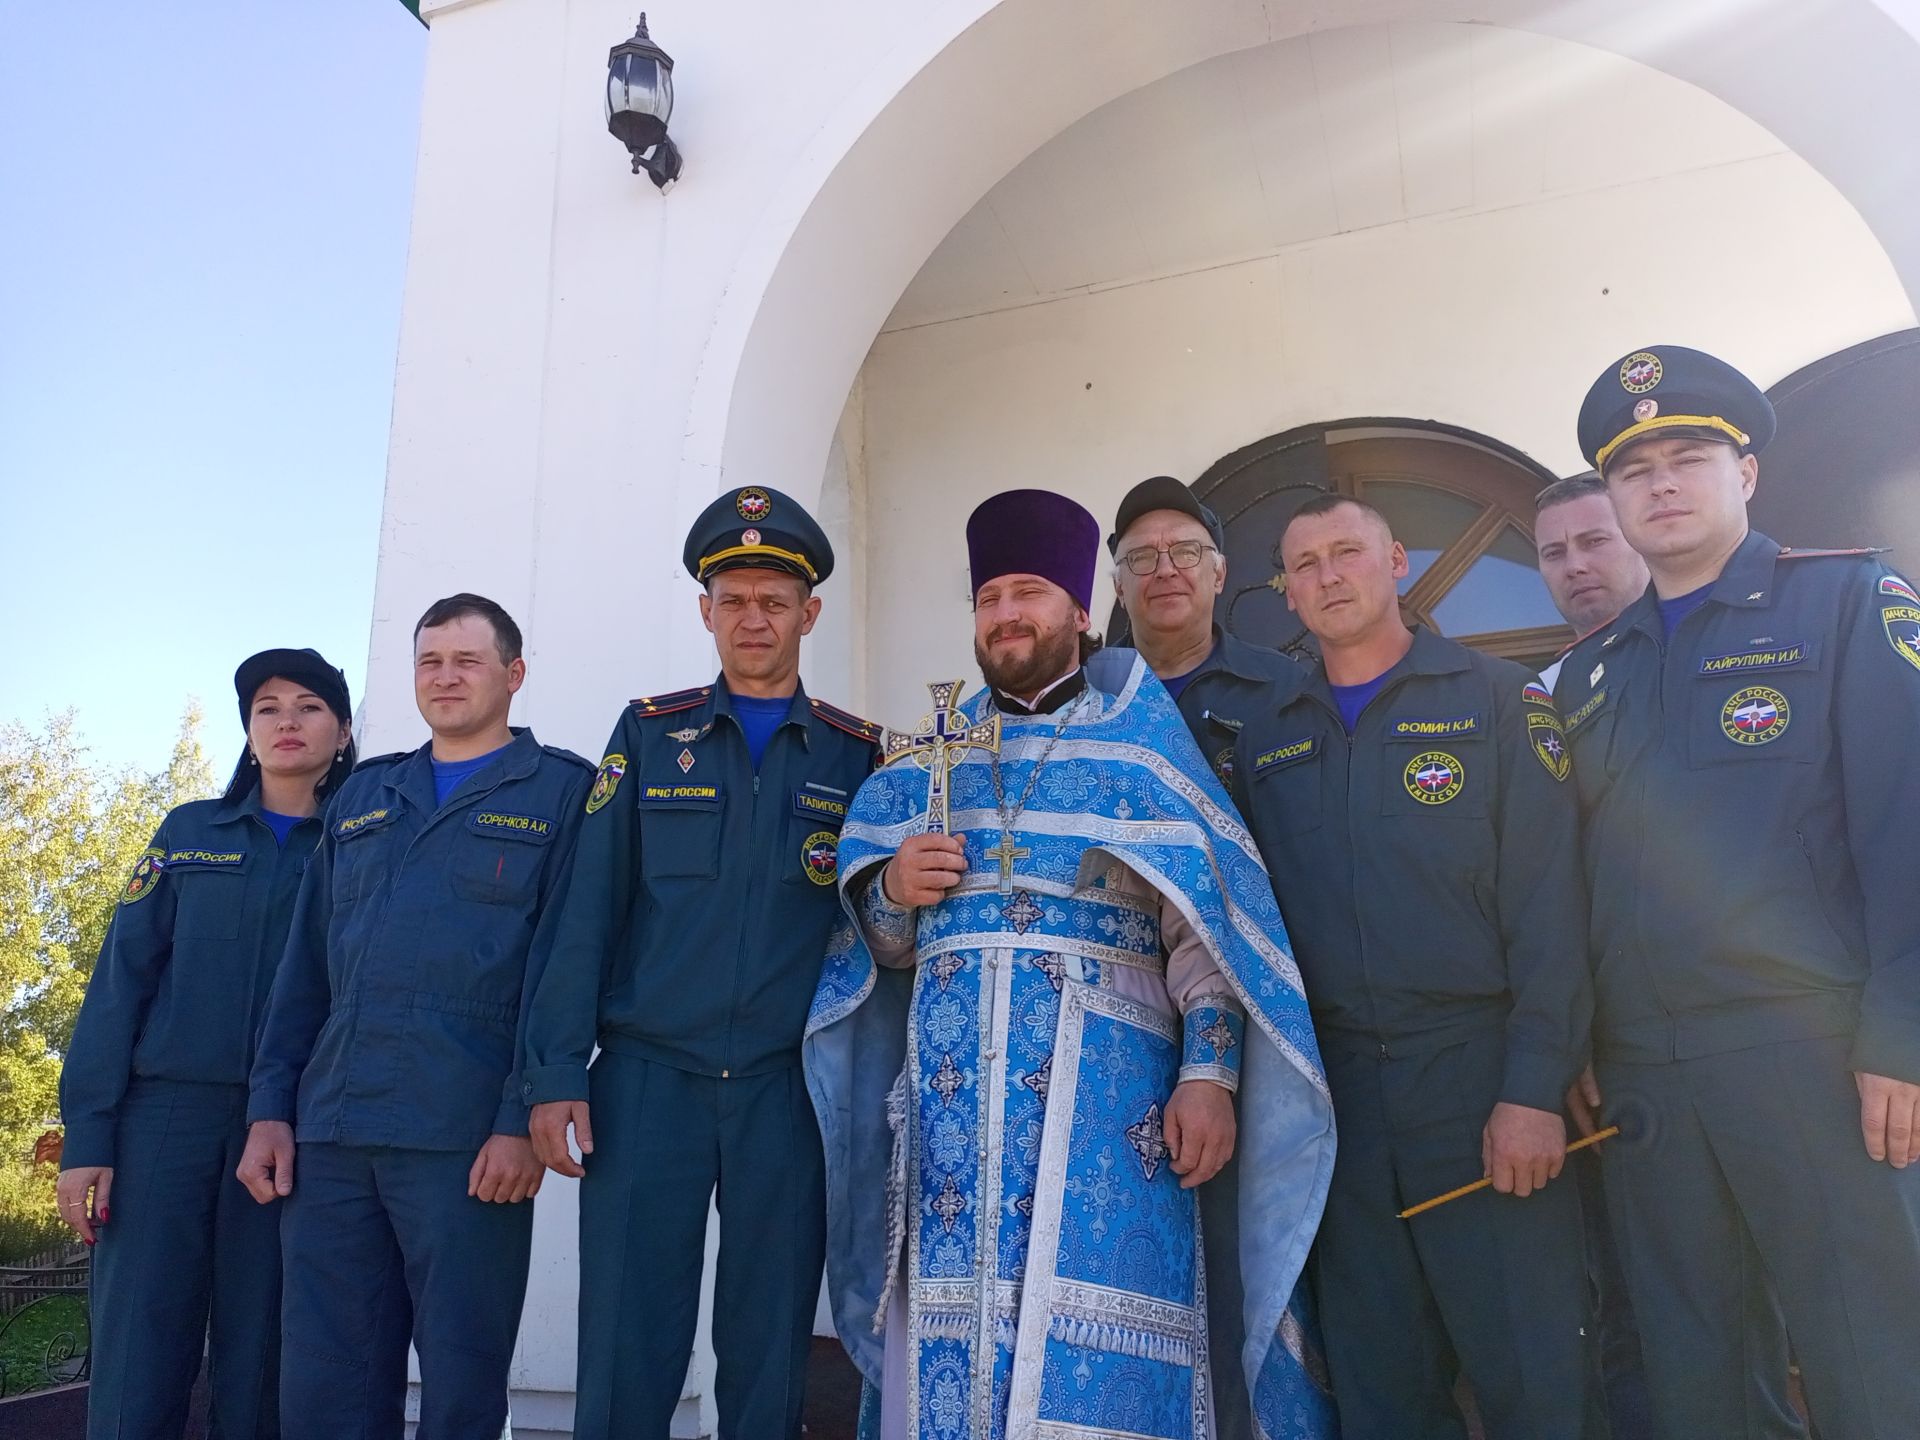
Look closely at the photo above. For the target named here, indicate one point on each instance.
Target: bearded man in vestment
(1036, 1035)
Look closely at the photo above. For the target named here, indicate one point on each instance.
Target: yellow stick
(1425, 1205)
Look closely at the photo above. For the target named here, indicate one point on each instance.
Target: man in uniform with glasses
(1168, 567)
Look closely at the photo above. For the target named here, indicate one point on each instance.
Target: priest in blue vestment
(1062, 999)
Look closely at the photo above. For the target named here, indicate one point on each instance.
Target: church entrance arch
(976, 87)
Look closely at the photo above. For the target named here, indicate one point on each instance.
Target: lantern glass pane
(643, 80)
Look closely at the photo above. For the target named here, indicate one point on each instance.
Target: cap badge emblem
(1646, 409)
(749, 537)
(753, 504)
(1640, 372)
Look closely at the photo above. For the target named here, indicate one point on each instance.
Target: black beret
(1163, 492)
(1671, 390)
(757, 526)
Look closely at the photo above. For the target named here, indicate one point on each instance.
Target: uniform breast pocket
(210, 903)
(497, 861)
(1285, 782)
(680, 829)
(1434, 780)
(363, 854)
(1745, 719)
(1589, 729)
(812, 854)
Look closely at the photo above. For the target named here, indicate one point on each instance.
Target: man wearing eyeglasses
(1169, 564)
(1168, 567)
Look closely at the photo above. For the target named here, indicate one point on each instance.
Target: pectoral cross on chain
(1006, 852)
(936, 747)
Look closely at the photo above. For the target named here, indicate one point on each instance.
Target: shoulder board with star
(845, 720)
(667, 704)
(1787, 552)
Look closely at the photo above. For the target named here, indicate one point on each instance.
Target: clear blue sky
(203, 230)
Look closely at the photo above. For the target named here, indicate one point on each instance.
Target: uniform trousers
(381, 1245)
(665, 1142)
(1490, 1285)
(1622, 1378)
(1226, 1303)
(187, 1264)
(1745, 1207)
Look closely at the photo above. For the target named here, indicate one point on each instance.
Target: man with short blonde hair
(1410, 798)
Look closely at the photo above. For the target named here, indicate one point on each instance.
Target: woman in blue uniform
(154, 1090)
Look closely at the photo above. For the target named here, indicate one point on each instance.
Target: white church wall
(1495, 321)
(556, 313)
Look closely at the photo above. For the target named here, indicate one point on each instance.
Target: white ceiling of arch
(1289, 143)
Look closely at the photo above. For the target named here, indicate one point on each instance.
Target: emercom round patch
(1434, 777)
(820, 856)
(1757, 715)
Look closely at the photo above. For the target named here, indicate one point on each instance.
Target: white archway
(981, 85)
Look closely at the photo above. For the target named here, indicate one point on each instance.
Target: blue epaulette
(846, 720)
(560, 753)
(390, 758)
(667, 704)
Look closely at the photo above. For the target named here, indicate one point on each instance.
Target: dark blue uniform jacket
(395, 1015)
(1748, 791)
(1428, 867)
(181, 984)
(697, 917)
(1223, 691)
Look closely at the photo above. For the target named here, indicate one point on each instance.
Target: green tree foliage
(70, 833)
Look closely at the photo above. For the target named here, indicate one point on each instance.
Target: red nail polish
(103, 1215)
(88, 1244)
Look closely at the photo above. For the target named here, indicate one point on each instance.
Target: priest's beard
(1054, 653)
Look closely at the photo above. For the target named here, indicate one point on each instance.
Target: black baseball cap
(1163, 492)
(309, 667)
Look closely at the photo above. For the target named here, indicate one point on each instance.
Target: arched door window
(1461, 504)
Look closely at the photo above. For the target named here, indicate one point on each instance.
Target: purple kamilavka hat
(1034, 532)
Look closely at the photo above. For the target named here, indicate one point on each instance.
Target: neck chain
(1006, 852)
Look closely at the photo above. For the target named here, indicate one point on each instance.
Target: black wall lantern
(639, 104)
